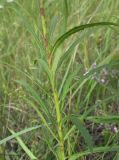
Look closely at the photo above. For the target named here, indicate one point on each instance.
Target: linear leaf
(95, 150)
(74, 30)
(84, 132)
(42, 118)
(86, 77)
(21, 12)
(35, 95)
(18, 134)
(46, 69)
(104, 119)
(55, 62)
(69, 51)
(67, 83)
(24, 147)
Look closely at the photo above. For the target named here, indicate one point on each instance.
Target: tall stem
(55, 93)
(59, 122)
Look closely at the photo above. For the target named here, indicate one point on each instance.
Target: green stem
(56, 99)
(45, 34)
(58, 114)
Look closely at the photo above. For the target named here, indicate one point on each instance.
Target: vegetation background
(59, 95)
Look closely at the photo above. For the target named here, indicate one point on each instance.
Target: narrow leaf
(84, 132)
(95, 150)
(74, 30)
(18, 134)
(35, 95)
(104, 119)
(67, 83)
(24, 147)
(45, 67)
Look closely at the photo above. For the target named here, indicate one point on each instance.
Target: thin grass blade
(24, 147)
(74, 30)
(84, 132)
(18, 134)
(95, 150)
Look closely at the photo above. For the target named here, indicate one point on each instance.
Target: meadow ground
(59, 95)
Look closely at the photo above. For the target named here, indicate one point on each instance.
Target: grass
(59, 65)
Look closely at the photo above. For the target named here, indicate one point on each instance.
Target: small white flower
(86, 73)
(102, 80)
(1, 7)
(115, 129)
(9, 1)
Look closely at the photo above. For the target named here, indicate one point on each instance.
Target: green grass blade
(84, 132)
(74, 30)
(69, 132)
(104, 119)
(86, 77)
(65, 77)
(45, 67)
(65, 15)
(42, 118)
(95, 150)
(18, 134)
(20, 12)
(66, 85)
(24, 147)
(69, 51)
(56, 61)
(52, 28)
(35, 96)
